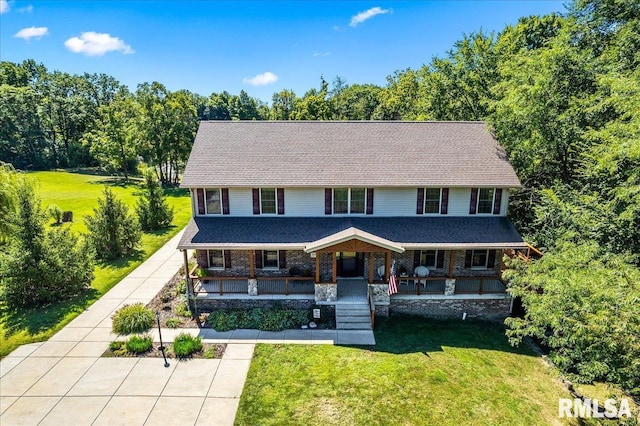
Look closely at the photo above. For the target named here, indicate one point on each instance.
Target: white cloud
(261, 79)
(321, 54)
(32, 32)
(4, 6)
(27, 9)
(97, 44)
(367, 14)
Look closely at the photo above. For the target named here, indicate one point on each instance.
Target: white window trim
(435, 259)
(493, 202)
(215, 268)
(424, 204)
(333, 201)
(271, 268)
(206, 208)
(275, 195)
(486, 260)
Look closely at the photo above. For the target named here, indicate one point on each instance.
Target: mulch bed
(166, 302)
(209, 351)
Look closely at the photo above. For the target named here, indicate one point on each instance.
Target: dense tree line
(561, 93)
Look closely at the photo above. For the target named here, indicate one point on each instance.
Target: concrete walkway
(64, 381)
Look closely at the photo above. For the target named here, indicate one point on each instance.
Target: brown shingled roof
(346, 153)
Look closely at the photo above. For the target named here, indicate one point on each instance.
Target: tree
(8, 202)
(355, 102)
(584, 306)
(113, 141)
(42, 267)
(113, 231)
(153, 211)
(283, 104)
(314, 105)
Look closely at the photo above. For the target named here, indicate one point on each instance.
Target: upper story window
(485, 200)
(213, 201)
(432, 200)
(349, 200)
(268, 200)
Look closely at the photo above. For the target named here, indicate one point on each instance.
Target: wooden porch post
(387, 266)
(334, 267)
(371, 267)
(452, 260)
(252, 263)
(187, 278)
(318, 267)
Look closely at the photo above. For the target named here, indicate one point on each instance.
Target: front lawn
(420, 372)
(78, 193)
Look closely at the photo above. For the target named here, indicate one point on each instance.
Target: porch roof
(297, 233)
(349, 234)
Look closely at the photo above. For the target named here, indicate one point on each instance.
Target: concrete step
(352, 308)
(353, 318)
(353, 326)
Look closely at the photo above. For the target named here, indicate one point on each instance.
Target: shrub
(185, 344)
(113, 232)
(139, 344)
(173, 322)
(153, 210)
(56, 214)
(118, 348)
(181, 288)
(132, 319)
(262, 319)
(182, 310)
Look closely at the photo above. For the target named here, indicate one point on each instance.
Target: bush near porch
(420, 372)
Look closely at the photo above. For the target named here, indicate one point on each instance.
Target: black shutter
(328, 200)
(467, 258)
(282, 259)
(420, 203)
(227, 259)
(497, 200)
(280, 196)
(444, 203)
(440, 259)
(256, 200)
(369, 200)
(491, 259)
(474, 201)
(259, 259)
(416, 258)
(225, 200)
(200, 198)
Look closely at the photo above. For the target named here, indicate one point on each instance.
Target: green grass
(420, 372)
(79, 192)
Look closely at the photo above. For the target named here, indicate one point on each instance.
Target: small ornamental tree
(152, 208)
(113, 231)
(42, 267)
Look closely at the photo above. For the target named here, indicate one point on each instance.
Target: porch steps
(353, 316)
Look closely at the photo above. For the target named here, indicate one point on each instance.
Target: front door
(350, 264)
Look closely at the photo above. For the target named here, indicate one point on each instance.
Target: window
(485, 200)
(213, 201)
(432, 200)
(268, 201)
(479, 258)
(428, 258)
(216, 259)
(358, 197)
(270, 259)
(349, 200)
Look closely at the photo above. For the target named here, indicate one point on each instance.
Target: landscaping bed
(209, 351)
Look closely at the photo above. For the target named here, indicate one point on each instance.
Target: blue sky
(261, 47)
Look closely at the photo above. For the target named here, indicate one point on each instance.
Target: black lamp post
(161, 347)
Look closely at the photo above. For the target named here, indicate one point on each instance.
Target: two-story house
(317, 212)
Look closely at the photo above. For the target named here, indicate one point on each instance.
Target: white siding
(394, 201)
(309, 202)
(240, 202)
(304, 202)
(459, 199)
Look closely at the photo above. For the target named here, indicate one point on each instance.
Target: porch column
(452, 260)
(371, 257)
(387, 266)
(187, 278)
(334, 267)
(252, 263)
(318, 267)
